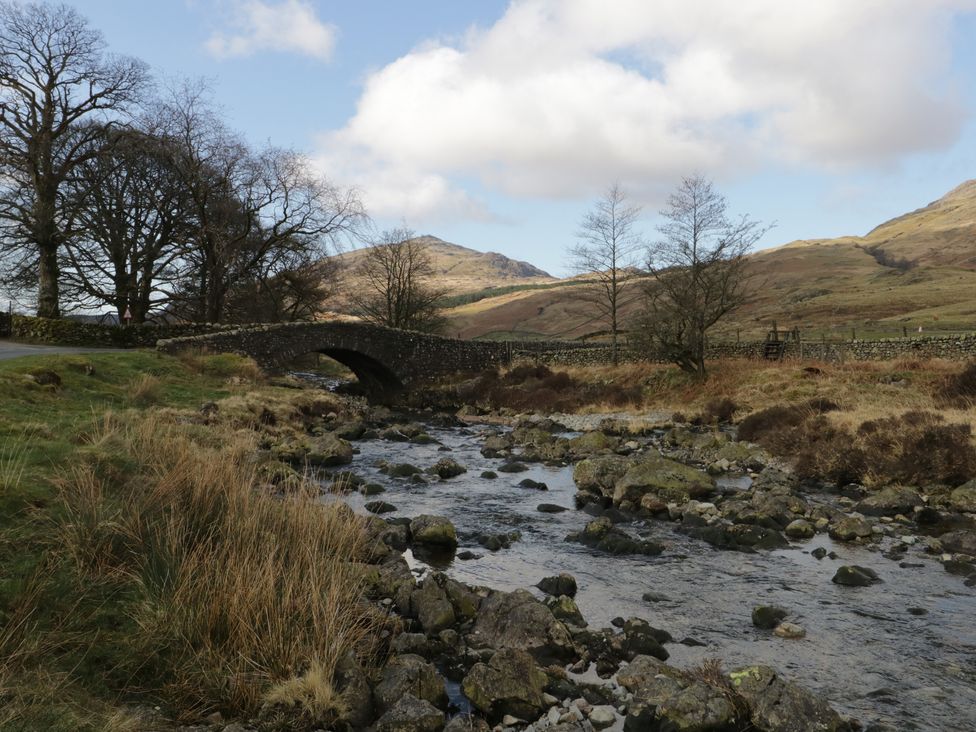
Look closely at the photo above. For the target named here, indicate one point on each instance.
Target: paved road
(9, 349)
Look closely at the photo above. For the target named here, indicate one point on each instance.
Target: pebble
(790, 630)
(602, 717)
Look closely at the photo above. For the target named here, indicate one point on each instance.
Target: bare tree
(607, 252)
(134, 225)
(257, 214)
(58, 88)
(698, 273)
(395, 288)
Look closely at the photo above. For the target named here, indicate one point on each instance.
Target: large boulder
(433, 530)
(961, 541)
(890, 501)
(665, 698)
(667, 480)
(510, 683)
(432, 607)
(411, 714)
(328, 451)
(446, 468)
(600, 533)
(517, 620)
(599, 474)
(776, 705)
(851, 528)
(593, 443)
(409, 674)
(963, 498)
(560, 584)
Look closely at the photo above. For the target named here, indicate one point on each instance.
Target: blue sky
(495, 125)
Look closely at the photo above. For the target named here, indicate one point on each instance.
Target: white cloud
(289, 26)
(561, 96)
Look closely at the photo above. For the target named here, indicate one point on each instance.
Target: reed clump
(240, 597)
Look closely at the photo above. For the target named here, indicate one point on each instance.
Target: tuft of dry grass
(13, 462)
(241, 593)
(144, 390)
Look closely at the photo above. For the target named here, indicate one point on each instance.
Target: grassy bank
(151, 558)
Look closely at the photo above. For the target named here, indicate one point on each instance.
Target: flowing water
(863, 651)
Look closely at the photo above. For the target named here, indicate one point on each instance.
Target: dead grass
(243, 597)
(532, 386)
(144, 390)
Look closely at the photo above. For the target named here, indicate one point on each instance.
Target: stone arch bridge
(384, 360)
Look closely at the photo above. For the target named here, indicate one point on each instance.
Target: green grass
(45, 431)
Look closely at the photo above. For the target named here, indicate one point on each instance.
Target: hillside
(457, 269)
(917, 270)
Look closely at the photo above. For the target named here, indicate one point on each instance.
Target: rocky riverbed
(545, 576)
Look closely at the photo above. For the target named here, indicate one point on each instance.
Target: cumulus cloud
(561, 96)
(289, 26)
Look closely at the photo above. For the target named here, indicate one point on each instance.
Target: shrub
(915, 448)
(959, 390)
(720, 409)
(781, 419)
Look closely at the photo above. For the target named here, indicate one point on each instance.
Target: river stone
(563, 608)
(353, 684)
(593, 442)
(602, 716)
(495, 445)
(789, 630)
(517, 620)
(850, 528)
(533, 485)
(436, 530)
(411, 714)
(776, 705)
(328, 450)
(963, 498)
(699, 707)
(668, 480)
(640, 638)
(961, 541)
(603, 535)
(852, 575)
(509, 684)
(513, 467)
(767, 617)
(560, 584)
(409, 674)
(664, 698)
(890, 501)
(432, 607)
(463, 600)
(379, 507)
(447, 468)
(599, 474)
(462, 723)
(800, 529)
(402, 470)
(550, 508)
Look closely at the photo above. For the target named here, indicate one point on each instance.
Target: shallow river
(864, 651)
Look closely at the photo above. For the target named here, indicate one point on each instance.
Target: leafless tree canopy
(396, 286)
(607, 253)
(58, 90)
(257, 214)
(697, 268)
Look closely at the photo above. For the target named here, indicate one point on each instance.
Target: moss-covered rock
(667, 479)
(510, 683)
(433, 530)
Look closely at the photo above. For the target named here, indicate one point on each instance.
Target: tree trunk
(46, 241)
(48, 289)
